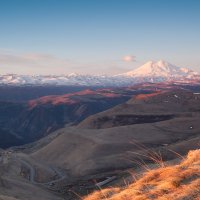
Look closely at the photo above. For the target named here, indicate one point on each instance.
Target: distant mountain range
(150, 72)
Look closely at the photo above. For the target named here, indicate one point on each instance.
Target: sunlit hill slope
(175, 182)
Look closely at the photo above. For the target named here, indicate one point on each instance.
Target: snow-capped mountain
(149, 72)
(161, 69)
(71, 79)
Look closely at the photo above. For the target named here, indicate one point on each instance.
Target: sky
(97, 36)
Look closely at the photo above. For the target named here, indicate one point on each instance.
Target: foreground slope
(177, 182)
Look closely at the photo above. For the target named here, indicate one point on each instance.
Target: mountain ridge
(149, 72)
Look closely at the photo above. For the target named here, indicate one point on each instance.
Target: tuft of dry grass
(175, 182)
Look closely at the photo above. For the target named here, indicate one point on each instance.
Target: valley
(138, 126)
(25, 122)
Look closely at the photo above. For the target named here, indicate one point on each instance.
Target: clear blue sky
(93, 36)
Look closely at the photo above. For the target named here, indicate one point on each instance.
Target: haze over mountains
(150, 72)
(60, 133)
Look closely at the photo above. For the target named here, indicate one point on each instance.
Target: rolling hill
(97, 145)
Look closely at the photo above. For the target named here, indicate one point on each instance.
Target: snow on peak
(73, 75)
(160, 68)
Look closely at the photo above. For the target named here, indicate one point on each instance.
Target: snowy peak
(160, 69)
(152, 71)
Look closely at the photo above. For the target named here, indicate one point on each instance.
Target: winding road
(32, 173)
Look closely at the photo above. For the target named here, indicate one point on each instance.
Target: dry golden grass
(176, 182)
